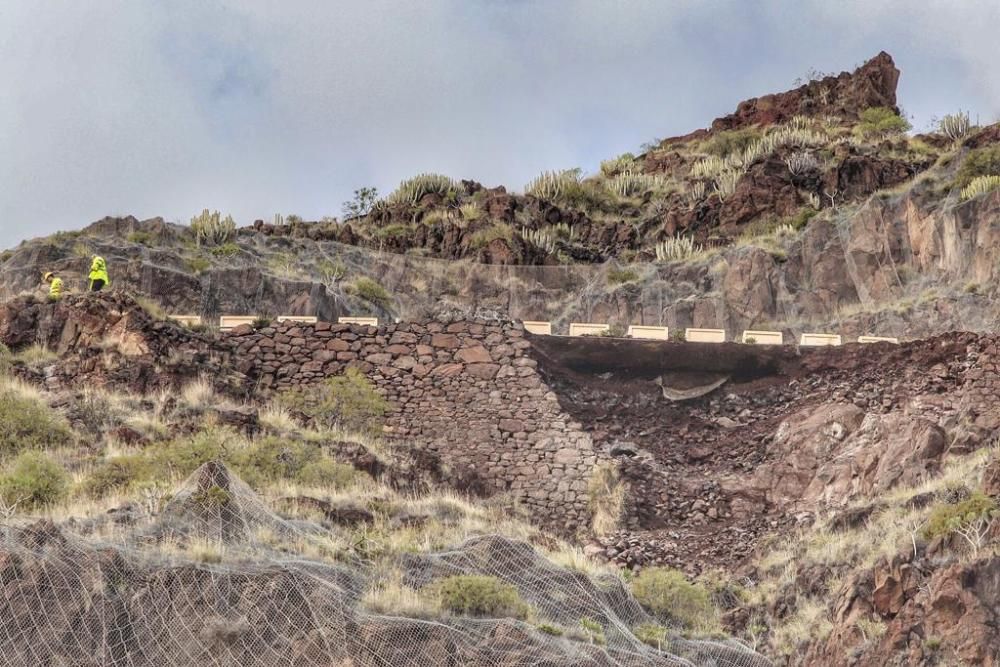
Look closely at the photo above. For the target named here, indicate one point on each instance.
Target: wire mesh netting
(215, 577)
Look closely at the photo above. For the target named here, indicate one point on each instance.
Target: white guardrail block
(537, 327)
(819, 340)
(878, 339)
(705, 335)
(305, 319)
(367, 321)
(763, 337)
(186, 320)
(651, 333)
(587, 329)
(227, 322)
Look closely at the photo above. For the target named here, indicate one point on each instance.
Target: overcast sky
(165, 107)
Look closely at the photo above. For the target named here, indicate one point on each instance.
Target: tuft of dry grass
(606, 494)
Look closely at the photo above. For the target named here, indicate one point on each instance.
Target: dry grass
(198, 394)
(391, 597)
(606, 493)
(888, 531)
(36, 356)
(278, 418)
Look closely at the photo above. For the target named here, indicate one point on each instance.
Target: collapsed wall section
(467, 391)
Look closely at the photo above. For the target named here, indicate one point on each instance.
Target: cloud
(257, 107)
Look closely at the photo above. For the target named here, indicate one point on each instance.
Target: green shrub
(799, 221)
(214, 497)
(594, 630)
(183, 455)
(980, 162)
(669, 595)
(620, 276)
(372, 292)
(731, 142)
(348, 400)
(548, 629)
(326, 473)
(141, 238)
(198, 265)
(483, 237)
(652, 634)
(479, 595)
(944, 519)
(880, 122)
(225, 250)
(35, 480)
(270, 459)
(26, 422)
(395, 230)
(6, 359)
(117, 474)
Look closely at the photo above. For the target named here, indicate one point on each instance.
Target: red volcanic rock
(845, 95)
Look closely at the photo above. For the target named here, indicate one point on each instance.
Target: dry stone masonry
(467, 390)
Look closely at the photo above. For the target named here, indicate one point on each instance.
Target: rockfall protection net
(217, 578)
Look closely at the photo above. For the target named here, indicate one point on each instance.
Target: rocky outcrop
(932, 616)
(845, 95)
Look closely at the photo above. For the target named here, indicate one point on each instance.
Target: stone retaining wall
(467, 391)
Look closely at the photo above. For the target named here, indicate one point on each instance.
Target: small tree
(880, 122)
(362, 203)
(349, 401)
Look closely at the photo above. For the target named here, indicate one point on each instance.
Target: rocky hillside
(809, 209)
(817, 507)
(446, 488)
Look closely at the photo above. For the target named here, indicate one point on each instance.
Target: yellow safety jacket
(55, 288)
(99, 271)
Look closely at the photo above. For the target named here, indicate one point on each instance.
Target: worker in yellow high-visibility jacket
(55, 285)
(98, 274)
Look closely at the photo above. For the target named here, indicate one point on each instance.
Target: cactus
(980, 186)
(210, 229)
(955, 126)
(411, 191)
(801, 162)
(551, 185)
(793, 134)
(541, 239)
(694, 194)
(627, 184)
(618, 165)
(725, 183)
(677, 248)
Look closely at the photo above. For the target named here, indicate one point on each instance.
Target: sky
(166, 107)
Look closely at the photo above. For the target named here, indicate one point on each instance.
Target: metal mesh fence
(217, 578)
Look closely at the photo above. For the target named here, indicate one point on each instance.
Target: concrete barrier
(367, 321)
(652, 333)
(305, 319)
(705, 335)
(186, 320)
(227, 322)
(763, 337)
(878, 339)
(819, 340)
(536, 327)
(587, 329)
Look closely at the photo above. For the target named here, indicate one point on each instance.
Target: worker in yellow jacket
(98, 274)
(55, 285)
